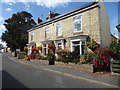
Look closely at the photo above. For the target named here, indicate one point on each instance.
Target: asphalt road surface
(18, 75)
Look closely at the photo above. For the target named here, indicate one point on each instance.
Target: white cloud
(52, 3)
(27, 6)
(10, 3)
(1, 18)
(47, 3)
(8, 9)
(2, 27)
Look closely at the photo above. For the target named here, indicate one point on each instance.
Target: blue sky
(42, 7)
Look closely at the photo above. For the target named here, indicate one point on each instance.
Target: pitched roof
(66, 15)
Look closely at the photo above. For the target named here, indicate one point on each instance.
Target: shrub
(92, 45)
(59, 59)
(86, 58)
(115, 46)
(102, 58)
(51, 56)
(63, 53)
(75, 61)
(40, 57)
(23, 53)
(65, 60)
(73, 55)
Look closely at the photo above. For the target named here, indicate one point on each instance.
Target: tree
(16, 35)
(115, 46)
(1, 46)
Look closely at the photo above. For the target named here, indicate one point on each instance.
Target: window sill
(60, 36)
(32, 40)
(47, 38)
(79, 32)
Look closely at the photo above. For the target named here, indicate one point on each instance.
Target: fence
(115, 67)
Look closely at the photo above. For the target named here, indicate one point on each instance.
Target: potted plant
(51, 58)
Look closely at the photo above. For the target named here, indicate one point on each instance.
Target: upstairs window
(59, 29)
(77, 24)
(32, 36)
(47, 30)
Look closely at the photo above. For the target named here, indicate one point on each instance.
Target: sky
(41, 8)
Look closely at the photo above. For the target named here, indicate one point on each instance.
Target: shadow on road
(9, 81)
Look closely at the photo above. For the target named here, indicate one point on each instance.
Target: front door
(76, 47)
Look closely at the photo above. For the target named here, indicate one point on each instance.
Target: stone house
(73, 29)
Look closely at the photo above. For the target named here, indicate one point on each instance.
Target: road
(18, 75)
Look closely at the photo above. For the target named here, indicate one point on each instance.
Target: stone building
(73, 29)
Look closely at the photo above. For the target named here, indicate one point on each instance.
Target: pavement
(71, 70)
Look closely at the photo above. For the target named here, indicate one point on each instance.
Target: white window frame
(44, 46)
(76, 21)
(47, 30)
(60, 28)
(80, 44)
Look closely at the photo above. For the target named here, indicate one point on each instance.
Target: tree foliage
(1, 46)
(115, 46)
(16, 35)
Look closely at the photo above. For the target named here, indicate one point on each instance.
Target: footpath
(72, 70)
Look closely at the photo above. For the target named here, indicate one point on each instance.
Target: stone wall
(90, 26)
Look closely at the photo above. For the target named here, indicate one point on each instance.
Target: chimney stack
(51, 15)
(38, 20)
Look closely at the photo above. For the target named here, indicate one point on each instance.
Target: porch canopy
(31, 44)
(47, 42)
(79, 37)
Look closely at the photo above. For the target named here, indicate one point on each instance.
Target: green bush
(63, 55)
(23, 53)
(75, 61)
(102, 57)
(115, 46)
(63, 52)
(51, 56)
(92, 45)
(65, 60)
(59, 59)
(41, 58)
(86, 58)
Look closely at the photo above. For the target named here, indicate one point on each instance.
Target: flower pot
(51, 62)
(94, 69)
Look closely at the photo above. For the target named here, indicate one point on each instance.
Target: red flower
(104, 57)
(97, 60)
(100, 56)
(102, 63)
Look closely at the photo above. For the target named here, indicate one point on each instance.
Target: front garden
(99, 57)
